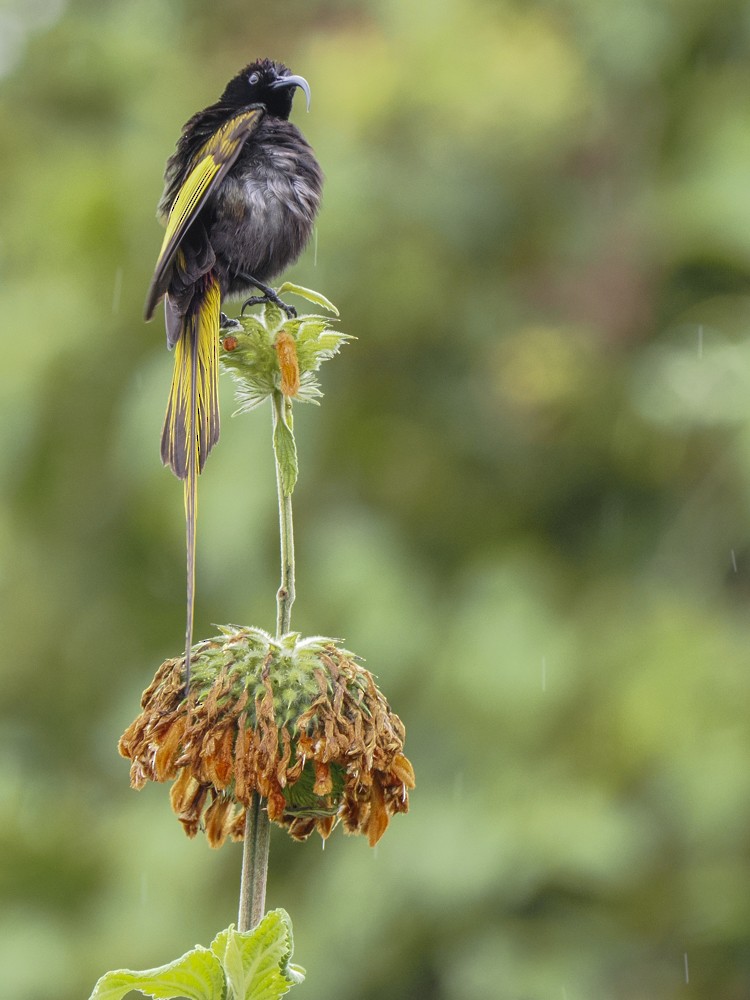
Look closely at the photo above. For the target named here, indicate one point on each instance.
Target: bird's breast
(264, 211)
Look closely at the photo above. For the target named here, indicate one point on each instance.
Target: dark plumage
(260, 216)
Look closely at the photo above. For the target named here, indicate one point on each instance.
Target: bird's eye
(253, 79)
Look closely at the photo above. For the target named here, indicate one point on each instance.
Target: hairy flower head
(267, 351)
(298, 721)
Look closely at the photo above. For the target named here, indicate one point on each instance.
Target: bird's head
(266, 82)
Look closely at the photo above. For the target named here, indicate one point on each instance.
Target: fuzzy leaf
(196, 975)
(318, 343)
(252, 359)
(249, 322)
(309, 389)
(286, 455)
(256, 962)
(309, 294)
(273, 317)
(249, 395)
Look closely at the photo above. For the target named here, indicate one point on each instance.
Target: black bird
(241, 194)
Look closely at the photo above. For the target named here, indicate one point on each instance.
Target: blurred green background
(524, 500)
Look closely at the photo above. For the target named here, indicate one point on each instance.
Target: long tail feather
(191, 426)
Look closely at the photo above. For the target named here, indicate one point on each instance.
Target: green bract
(249, 349)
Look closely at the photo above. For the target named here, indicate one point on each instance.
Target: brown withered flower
(298, 721)
(286, 351)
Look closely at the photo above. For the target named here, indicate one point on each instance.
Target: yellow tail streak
(191, 426)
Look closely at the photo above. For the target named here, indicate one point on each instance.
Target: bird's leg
(228, 322)
(269, 295)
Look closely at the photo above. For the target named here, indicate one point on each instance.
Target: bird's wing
(211, 164)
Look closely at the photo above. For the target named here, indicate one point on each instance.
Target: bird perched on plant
(241, 194)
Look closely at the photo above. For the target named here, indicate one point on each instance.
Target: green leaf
(310, 328)
(273, 317)
(197, 975)
(286, 455)
(250, 324)
(309, 294)
(256, 962)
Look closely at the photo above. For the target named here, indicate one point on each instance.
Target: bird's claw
(256, 300)
(228, 322)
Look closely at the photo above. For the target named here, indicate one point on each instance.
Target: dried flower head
(298, 721)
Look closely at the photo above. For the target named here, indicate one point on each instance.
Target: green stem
(257, 824)
(254, 865)
(282, 410)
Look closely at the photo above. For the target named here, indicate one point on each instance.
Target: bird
(241, 195)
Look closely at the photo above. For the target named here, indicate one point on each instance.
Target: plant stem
(282, 410)
(254, 866)
(257, 825)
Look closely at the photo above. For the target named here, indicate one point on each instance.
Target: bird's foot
(228, 322)
(269, 295)
(255, 300)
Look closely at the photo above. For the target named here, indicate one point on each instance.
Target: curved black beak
(294, 81)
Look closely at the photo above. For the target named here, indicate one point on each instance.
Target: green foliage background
(524, 500)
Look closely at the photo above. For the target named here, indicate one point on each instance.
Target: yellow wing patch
(211, 164)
